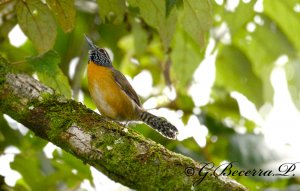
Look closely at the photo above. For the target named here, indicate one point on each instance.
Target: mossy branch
(120, 153)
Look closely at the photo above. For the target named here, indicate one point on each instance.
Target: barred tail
(159, 124)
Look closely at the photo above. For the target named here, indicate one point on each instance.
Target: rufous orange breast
(107, 95)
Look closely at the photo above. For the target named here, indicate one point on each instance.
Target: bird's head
(98, 55)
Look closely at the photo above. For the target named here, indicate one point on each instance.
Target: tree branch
(120, 153)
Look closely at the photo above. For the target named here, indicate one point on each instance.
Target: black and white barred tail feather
(159, 124)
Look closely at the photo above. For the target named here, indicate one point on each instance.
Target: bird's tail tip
(161, 125)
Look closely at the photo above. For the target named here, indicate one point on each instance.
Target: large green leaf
(292, 72)
(112, 10)
(154, 13)
(49, 73)
(37, 22)
(197, 18)
(41, 173)
(282, 12)
(32, 164)
(69, 169)
(263, 47)
(64, 12)
(223, 106)
(186, 55)
(170, 4)
(184, 101)
(235, 73)
(221, 109)
(235, 21)
(140, 38)
(28, 165)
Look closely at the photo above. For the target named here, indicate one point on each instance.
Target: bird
(113, 95)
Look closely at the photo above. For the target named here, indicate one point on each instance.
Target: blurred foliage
(168, 38)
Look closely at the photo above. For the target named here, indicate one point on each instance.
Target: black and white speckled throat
(100, 57)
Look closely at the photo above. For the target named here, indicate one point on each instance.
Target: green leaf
(154, 14)
(140, 38)
(170, 4)
(65, 163)
(197, 19)
(8, 136)
(185, 56)
(112, 10)
(215, 126)
(8, 22)
(218, 150)
(31, 142)
(37, 22)
(235, 21)
(184, 101)
(64, 12)
(29, 164)
(111, 35)
(263, 47)
(282, 12)
(292, 69)
(41, 173)
(234, 72)
(49, 73)
(223, 106)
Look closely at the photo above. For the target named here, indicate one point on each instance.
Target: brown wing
(125, 86)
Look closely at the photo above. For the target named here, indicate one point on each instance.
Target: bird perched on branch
(114, 96)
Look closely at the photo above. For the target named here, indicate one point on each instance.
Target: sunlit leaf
(49, 73)
(283, 13)
(292, 68)
(235, 22)
(235, 73)
(170, 4)
(28, 164)
(64, 12)
(154, 13)
(112, 10)
(140, 38)
(41, 173)
(186, 56)
(111, 36)
(8, 21)
(184, 101)
(37, 22)
(264, 45)
(70, 169)
(197, 18)
(222, 115)
(223, 106)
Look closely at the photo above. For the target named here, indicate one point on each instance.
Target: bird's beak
(90, 42)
